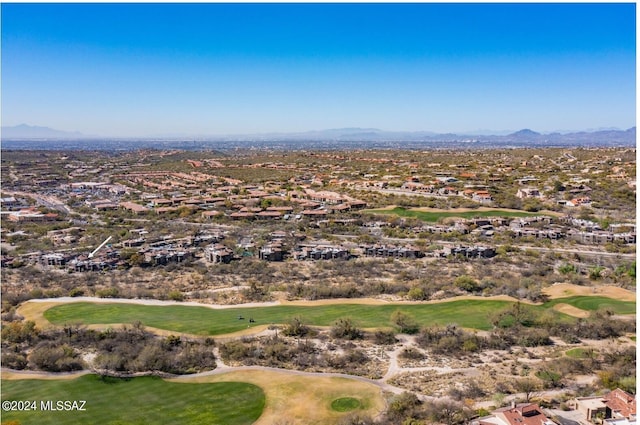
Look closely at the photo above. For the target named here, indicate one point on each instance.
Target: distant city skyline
(139, 70)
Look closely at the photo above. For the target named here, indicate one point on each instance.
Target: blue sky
(159, 69)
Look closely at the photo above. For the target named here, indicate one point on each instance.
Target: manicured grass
(304, 400)
(205, 321)
(435, 216)
(577, 353)
(591, 303)
(137, 401)
(345, 404)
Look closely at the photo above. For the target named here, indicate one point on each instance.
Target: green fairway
(345, 404)
(591, 303)
(435, 216)
(206, 321)
(137, 401)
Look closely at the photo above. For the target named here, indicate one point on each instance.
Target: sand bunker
(571, 310)
(563, 290)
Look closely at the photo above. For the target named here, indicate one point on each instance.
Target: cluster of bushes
(301, 354)
(117, 351)
(453, 341)
(599, 325)
(619, 370)
(406, 408)
(519, 325)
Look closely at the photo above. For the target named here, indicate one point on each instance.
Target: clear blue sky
(155, 69)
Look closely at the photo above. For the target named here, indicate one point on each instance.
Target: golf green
(136, 401)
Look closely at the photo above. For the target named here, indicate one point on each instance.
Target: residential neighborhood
(408, 228)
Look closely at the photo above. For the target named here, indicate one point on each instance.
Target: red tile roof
(621, 402)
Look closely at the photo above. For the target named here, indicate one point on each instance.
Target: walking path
(33, 310)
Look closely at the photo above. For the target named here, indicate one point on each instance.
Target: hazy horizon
(64, 133)
(145, 70)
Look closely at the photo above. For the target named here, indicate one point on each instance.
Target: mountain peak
(525, 133)
(26, 131)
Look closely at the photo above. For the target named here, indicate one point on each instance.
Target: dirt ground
(563, 290)
(571, 310)
(12, 374)
(292, 398)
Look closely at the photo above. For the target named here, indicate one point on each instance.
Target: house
(413, 186)
(31, 215)
(314, 213)
(266, 215)
(211, 214)
(242, 216)
(620, 404)
(356, 204)
(520, 414)
(528, 192)
(218, 253)
(133, 207)
(482, 196)
(616, 406)
(446, 179)
(322, 252)
(8, 202)
(601, 237)
(104, 205)
(577, 202)
(164, 256)
(392, 251)
(591, 408)
(271, 253)
(55, 259)
(470, 252)
(339, 208)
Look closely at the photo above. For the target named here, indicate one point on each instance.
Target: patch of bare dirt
(571, 310)
(563, 290)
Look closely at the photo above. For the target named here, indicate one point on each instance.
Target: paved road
(46, 200)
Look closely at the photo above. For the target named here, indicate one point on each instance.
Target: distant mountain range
(24, 131)
(354, 135)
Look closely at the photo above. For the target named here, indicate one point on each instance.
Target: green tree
(405, 322)
(296, 327)
(466, 283)
(595, 273)
(527, 386)
(416, 293)
(345, 328)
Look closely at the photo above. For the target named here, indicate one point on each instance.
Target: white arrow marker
(101, 245)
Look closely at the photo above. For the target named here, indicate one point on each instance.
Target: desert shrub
(296, 327)
(382, 337)
(411, 353)
(18, 332)
(405, 322)
(13, 360)
(346, 329)
(52, 357)
(466, 283)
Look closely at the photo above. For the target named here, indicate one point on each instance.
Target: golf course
(471, 313)
(135, 401)
(263, 397)
(253, 394)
